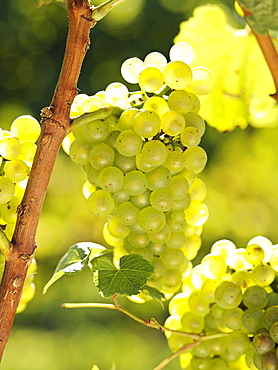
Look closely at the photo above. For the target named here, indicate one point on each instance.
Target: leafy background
(241, 177)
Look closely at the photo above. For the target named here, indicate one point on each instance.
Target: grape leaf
(264, 14)
(243, 80)
(132, 274)
(154, 293)
(75, 259)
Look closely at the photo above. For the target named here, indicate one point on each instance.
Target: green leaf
(75, 259)
(264, 14)
(127, 280)
(154, 293)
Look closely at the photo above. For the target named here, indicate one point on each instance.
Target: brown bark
(55, 122)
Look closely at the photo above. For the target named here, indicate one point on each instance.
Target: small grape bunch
(141, 153)
(231, 295)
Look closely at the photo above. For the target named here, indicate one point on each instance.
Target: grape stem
(152, 323)
(270, 54)
(55, 122)
(100, 11)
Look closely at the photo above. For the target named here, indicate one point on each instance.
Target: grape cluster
(17, 150)
(142, 160)
(232, 295)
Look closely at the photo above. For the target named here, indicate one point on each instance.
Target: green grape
(162, 236)
(125, 164)
(79, 151)
(180, 101)
(190, 137)
(142, 200)
(203, 81)
(28, 151)
(175, 226)
(91, 104)
(128, 143)
(208, 289)
(192, 323)
(216, 346)
(196, 105)
(146, 123)
(273, 331)
(193, 245)
(233, 318)
(274, 259)
(254, 254)
(239, 262)
(116, 228)
(198, 304)
(177, 240)
(151, 220)
(10, 147)
(127, 213)
(161, 199)
(172, 123)
(198, 190)
(262, 343)
(156, 104)
(270, 316)
(198, 363)
(175, 161)
(172, 280)
(177, 341)
(195, 159)
(265, 244)
(112, 138)
(101, 156)
(202, 350)
(179, 304)
(243, 279)
(154, 152)
(217, 311)
(159, 269)
(210, 324)
(142, 165)
(144, 252)
(126, 119)
(272, 299)
(101, 203)
(189, 175)
(181, 204)
(173, 258)
(9, 210)
(7, 190)
(138, 240)
(196, 214)
(151, 79)
(95, 131)
(156, 248)
(177, 215)
(263, 275)
(182, 51)
(155, 59)
(92, 175)
(26, 128)
(158, 178)
(214, 267)
(255, 297)
(131, 69)
(269, 361)
(117, 94)
(179, 187)
(111, 179)
(195, 120)
(177, 75)
(28, 292)
(252, 319)
(224, 248)
(88, 189)
(16, 170)
(237, 343)
(135, 183)
(228, 295)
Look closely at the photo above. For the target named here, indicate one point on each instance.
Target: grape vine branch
(55, 122)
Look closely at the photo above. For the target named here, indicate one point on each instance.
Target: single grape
(128, 143)
(252, 319)
(228, 294)
(151, 79)
(177, 240)
(173, 258)
(192, 323)
(10, 147)
(180, 101)
(254, 254)
(214, 267)
(198, 304)
(146, 123)
(125, 164)
(273, 331)
(263, 275)
(255, 297)
(95, 131)
(126, 119)
(179, 187)
(195, 159)
(116, 228)
(154, 153)
(79, 151)
(161, 199)
(262, 343)
(159, 178)
(177, 75)
(91, 104)
(135, 182)
(175, 161)
(101, 156)
(26, 128)
(172, 123)
(182, 51)
(233, 318)
(270, 316)
(16, 170)
(203, 81)
(156, 248)
(151, 220)
(195, 120)
(131, 69)
(190, 137)
(155, 59)
(100, 203)
(156, 104)
(162, 236)
(7, 190)
(196, 214)
(111, 179)
(9, 210)
(127, 213)
(117, 93)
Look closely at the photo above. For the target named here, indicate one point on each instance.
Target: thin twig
(100, 11)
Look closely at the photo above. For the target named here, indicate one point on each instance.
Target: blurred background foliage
(241, 176)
